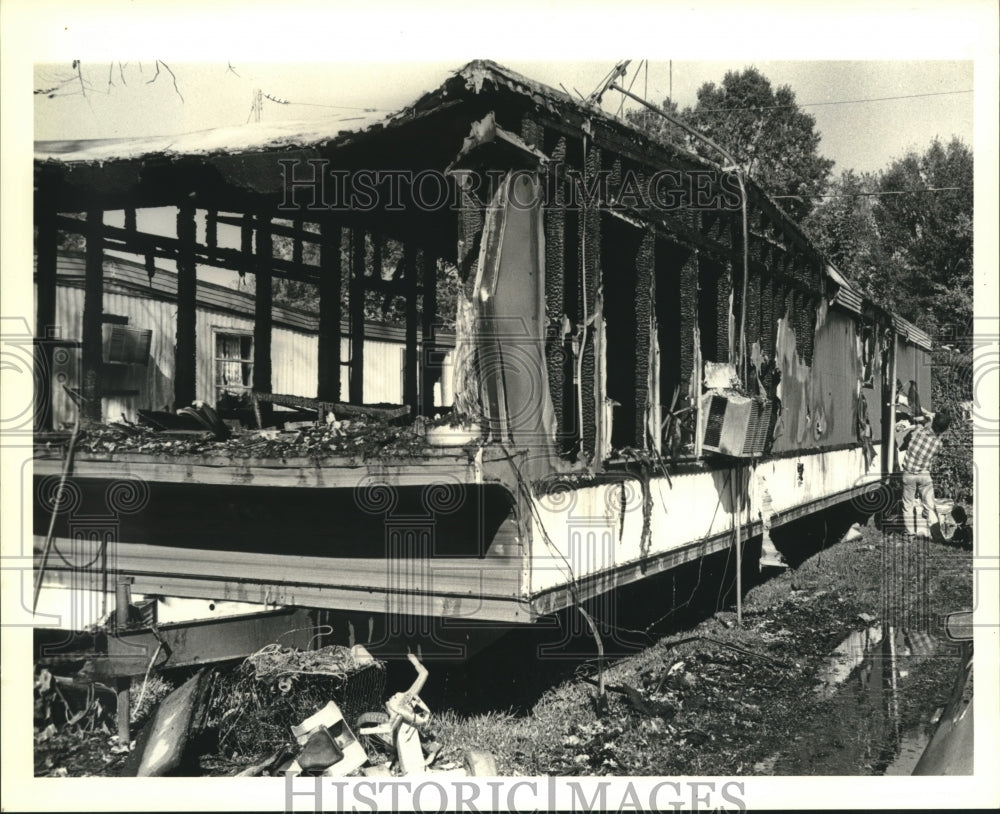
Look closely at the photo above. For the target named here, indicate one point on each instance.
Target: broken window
(619, 245)
(233, 369)
(868, 355)
(713, 310)
(672, 303)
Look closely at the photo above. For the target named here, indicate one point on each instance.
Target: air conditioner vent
(714, 421)
(126, 346)
(735, 425)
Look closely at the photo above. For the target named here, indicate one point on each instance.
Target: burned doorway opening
(620, 245)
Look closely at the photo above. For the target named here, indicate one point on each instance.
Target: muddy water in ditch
(861, 694)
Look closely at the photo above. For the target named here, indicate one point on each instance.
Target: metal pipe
(600, 649)
(47, 548)
(890, 431)
(683, 125)
(734, 491)
(746, 274)
(123, 683)
(891, 461)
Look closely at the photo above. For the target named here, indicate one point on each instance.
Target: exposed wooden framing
(767, 317)
(688, 288)
(231, 261)
(45, 314)
(297, 243)
(752, 318)
(337, 407)
(357, 308)
(674, 229)
(328, 356)
(724, 314)
(410, 379)
(431, 368)
(168, 248)
(377, 242)
(185, 361)
(263, 302)
(560, 376)
(644, 321)
(93, 310)
(246, 239)
(296, 232)
(655, 156)
(590, 255)
(212, 230)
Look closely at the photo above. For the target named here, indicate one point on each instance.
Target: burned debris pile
(254, 706)
(376, 433)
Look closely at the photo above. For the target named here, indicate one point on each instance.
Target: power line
(835, 102)
(344, 107)
(875, 194)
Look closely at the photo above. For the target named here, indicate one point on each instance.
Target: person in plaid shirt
(924, 445)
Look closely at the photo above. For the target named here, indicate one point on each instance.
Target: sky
(127, 98)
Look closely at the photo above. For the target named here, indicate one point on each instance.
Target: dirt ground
(765, 697)
(714, 698)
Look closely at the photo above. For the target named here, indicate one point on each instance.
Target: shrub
(951, 390)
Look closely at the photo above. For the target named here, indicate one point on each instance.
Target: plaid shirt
(924, 445)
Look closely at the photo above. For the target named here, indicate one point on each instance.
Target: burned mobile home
(638, 380)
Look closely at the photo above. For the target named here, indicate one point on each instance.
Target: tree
(775, 141)
(765, 130)
(924, 218)
(843, 227)
(905, 235)
(658, 127)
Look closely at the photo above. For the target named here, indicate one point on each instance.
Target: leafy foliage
(844, 229)
(931, 232)
(951, 390)
(763, 128)
(905, 235)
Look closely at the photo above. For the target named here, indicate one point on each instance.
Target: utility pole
(257, 105)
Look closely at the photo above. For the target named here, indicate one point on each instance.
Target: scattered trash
(199, 430)
(160, 747)
(254, 706)
(206, 417)
(329, 747)
(257, 769)
(405, 717)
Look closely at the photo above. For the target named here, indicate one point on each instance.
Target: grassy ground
(746, 699)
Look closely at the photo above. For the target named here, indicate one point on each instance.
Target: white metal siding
(294, 358)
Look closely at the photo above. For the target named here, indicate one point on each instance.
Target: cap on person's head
(942, 421)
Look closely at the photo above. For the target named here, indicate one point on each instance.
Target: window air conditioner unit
(735, 425)
(126, 346)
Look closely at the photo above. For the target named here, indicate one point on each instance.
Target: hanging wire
(835, 102)
(875, 194)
